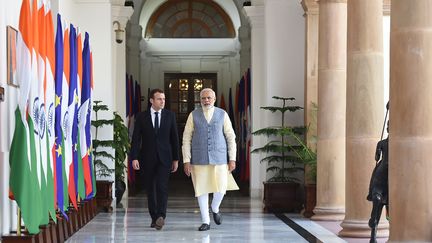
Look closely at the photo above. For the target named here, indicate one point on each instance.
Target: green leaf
(98, 106)
(103, 154)
(101, 123)
(273, 168)
(280, 131)
(283, 98)
(281, 109)
(121, 146)
(102, 143)
(272, 147)
(284, 179)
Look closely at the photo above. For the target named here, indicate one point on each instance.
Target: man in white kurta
(208, 141)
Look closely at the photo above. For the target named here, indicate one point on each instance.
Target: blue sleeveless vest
(208, 141)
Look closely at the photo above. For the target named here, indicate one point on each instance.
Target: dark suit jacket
(147, 145)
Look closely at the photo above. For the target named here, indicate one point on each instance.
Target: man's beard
(207, 106)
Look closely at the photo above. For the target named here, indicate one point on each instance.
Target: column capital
(113, 2)
(255, 15)
(332, 1)
(257, 2)
(386, 7)
(93, 1)
(121, 14)
(310, 6)
(117, 2)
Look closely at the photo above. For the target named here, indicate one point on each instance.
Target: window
(190, 19)
(183, 93)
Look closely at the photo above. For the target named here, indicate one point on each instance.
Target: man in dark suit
(155, 147)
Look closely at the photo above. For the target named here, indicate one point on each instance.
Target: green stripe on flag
(65, 179)
(80, 182)
(22, 183)
(37, 197)
(50, 184)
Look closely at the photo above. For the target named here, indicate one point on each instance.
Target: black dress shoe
(204, 227)
(153, 224)
(217, 218)
(160, 222)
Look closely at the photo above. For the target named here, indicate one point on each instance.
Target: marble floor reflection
(243, 221)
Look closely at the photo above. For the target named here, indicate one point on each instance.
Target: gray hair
(207, 90)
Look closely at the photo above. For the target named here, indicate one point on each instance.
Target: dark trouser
(156, 177)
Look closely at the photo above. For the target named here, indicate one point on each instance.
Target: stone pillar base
(360, 229)
(328, 214)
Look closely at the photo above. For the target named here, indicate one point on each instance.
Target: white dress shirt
(153, 115)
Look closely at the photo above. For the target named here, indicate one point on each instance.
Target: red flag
(222, 103)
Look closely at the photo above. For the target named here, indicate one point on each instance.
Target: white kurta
(210, 178)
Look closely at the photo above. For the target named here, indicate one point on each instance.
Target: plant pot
(310, 200)
(120, 188)
(281, 197)
(104, 195)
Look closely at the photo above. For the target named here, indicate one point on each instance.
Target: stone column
(258, 63)
(364, 112)
(120, 14)
(134, 36)
(331, 110)
(410, 163)
(133, 61)
(311, 15)
(245, 51)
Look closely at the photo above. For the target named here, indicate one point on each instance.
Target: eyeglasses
(207, 98)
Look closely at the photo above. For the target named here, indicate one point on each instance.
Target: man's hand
(174, 166)
(231, 165)
(187, 168)
(135, 164)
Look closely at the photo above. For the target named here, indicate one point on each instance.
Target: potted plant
(286, 155)
(120, 144)
(122, 147)
(101, 169)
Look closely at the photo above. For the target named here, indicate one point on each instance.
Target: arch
(190, 19)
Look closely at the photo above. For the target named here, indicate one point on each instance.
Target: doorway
(182, 91)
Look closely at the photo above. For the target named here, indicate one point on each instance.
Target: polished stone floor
(243, 221)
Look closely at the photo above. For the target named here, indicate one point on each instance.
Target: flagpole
(19, 222)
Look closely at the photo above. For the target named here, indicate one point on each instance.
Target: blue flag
(127, 96)
(231, 108)
(73, 122)
(58, 126)
(86, 98)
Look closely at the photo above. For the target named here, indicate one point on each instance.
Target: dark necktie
(156, 122)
